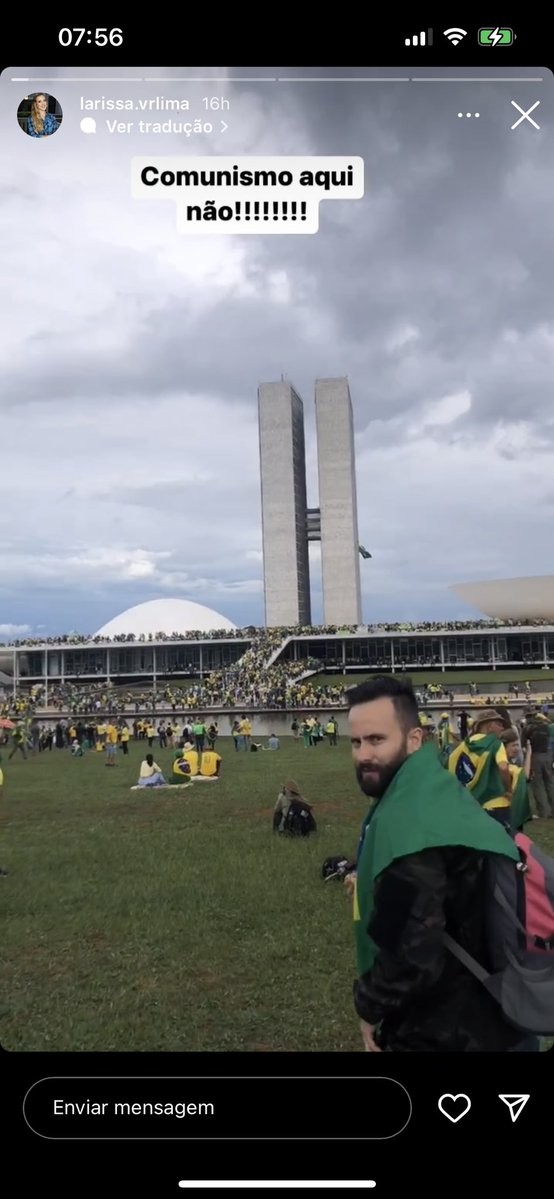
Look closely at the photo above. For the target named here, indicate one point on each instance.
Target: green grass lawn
(177, 921)
(501, 678)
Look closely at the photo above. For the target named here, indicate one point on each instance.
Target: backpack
(337, 867)
(299, 821)
(519, 924)
(538, 733)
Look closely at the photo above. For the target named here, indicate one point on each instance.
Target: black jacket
(422, 997)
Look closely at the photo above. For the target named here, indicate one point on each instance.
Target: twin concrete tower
(289, 525)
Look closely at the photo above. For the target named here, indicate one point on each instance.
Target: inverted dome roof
(511, 599)
(165, 616)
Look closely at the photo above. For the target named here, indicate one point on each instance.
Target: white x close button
(525, 114)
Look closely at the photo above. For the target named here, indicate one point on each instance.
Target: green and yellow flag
(520, 809)
(474, 764)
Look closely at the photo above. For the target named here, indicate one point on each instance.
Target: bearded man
(419, 875)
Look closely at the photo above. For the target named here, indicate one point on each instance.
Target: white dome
(165, 616)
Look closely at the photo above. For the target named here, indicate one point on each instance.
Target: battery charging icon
(498, 36)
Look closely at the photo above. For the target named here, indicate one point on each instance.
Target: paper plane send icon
(515, 1104)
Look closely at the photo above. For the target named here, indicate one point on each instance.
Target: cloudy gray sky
(131, 355)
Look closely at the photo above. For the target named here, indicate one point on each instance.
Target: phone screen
(276, 424)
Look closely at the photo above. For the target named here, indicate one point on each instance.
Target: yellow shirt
(208, 766)
(191, 757)
(125, 735)
(1, 777)
(112, 734)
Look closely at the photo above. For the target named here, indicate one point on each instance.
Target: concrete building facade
(340, 561)
(287, 523)
(284, 505)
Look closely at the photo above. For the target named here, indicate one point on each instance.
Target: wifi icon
(455, 36)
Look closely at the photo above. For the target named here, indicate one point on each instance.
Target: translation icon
(515, 1104)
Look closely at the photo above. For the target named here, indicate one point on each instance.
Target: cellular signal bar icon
(420, 39)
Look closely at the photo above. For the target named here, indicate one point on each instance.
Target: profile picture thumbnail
(39, 115)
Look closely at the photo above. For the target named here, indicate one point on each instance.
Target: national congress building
(288, 525)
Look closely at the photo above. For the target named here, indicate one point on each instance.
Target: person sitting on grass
(180, 770)
(291, 813)
(150, 773)
(190, 755)
(210, 764)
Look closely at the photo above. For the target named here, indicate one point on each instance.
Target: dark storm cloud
(447, 239)
(132, 358)
(450, 238)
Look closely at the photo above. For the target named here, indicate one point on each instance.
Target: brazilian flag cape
(520, 809)
(179, 769)
(474, 763)
(423, 808)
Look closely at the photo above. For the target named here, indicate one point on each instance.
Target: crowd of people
(29, 736)
(527, 748)
(253, 681)
(250, 632)
(82, 735)
(254, 686)
(458, 626)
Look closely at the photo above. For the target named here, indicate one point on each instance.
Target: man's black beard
(375, 784)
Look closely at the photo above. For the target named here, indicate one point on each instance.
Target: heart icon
(458, 1106)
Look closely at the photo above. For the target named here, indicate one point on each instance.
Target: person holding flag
(480, 763)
